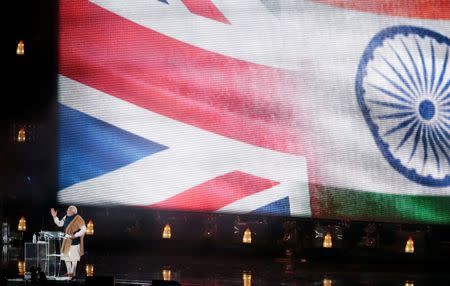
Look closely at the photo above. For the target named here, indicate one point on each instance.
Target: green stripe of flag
(343, 203)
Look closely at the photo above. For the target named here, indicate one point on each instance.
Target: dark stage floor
(139, 268)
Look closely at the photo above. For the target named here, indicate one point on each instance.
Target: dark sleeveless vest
(67, 220)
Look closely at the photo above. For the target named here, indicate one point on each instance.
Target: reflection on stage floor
(140, 269)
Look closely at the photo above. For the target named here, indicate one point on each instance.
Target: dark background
(28, 170)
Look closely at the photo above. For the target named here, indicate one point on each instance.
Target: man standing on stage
(72, 247)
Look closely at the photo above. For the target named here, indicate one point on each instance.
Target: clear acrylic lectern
(45, 253)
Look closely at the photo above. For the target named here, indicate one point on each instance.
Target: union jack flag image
(322, 108)
(147, 119)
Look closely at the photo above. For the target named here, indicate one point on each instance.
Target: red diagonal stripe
(427, 9)
(206, 9)
(217, 193)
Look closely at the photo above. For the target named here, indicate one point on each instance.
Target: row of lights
(22, 226)
(327, 240)
(328, 243)
(246, 238)
(21, 134)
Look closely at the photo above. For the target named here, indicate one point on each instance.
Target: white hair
(74, 209)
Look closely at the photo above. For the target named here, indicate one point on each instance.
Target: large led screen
(327, 109)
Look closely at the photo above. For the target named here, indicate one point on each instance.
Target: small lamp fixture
(247, 238)
(327, 241)
(247, 278)
(20, 48)
(167, 232)
(409, 247)
(90, 228)
(167, 274)
(21, 268)
(22, 226)
(21, 135)
(89, 270)
(327, 282)
(409, 283)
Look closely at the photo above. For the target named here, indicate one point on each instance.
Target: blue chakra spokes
(403, 88)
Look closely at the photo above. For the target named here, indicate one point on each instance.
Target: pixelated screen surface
(332, 108)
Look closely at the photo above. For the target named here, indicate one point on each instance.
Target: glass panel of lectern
(45, 253)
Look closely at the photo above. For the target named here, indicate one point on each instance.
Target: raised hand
(53, 212)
